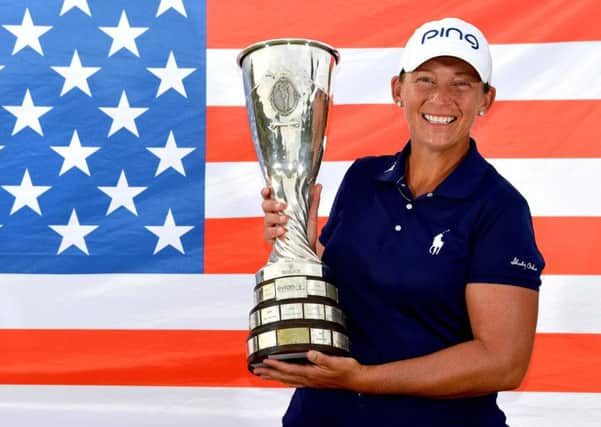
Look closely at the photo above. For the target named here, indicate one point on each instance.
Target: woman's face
(441, 99)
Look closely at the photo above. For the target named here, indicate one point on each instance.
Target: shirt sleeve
(504, 247)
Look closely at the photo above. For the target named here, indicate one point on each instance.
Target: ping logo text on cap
(469, 38)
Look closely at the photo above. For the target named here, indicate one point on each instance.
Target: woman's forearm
(503, 321)
(466, 369)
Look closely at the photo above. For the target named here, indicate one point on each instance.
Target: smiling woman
(423, 245)
(441, 99)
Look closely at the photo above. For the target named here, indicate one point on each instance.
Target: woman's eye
(424, 80)
(461, 83)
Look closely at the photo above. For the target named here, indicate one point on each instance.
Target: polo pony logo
(437, 243)
(469, 38)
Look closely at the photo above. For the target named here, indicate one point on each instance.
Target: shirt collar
(395, 168)
(459, 184)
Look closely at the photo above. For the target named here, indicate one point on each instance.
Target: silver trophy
(288, 87)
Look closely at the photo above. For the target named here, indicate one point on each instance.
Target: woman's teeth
(439, 120)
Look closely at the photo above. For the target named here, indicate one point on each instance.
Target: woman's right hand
(274, 220)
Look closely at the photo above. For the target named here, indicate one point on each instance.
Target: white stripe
(553, 187)
(551, 409)
(122, 301)
(556, 187)
(521, 71)
(100, 406)
(568, 304)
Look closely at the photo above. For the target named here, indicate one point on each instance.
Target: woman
(434, 256)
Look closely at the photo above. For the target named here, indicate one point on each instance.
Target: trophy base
(296, 310)
(291, 340)
(295, 354)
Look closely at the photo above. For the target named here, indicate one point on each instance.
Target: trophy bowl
(288, 89)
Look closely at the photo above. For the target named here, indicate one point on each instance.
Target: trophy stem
(295, 244)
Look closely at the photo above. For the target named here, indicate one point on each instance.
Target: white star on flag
(177, 5)
(28, 34)
(171, 156)
(1, 67)
(124, 36)
(171, 76)
(169, 234)
(81, 4)
(76, 76)
(123, 115)
(26, 194)
(75, 155)
(27, 114)
(122, 195)
(73, 234)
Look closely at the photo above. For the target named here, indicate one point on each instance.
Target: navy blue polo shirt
(401, 265)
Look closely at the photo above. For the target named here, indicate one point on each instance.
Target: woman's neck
(426, 169)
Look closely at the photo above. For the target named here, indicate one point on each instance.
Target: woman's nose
(442, 94)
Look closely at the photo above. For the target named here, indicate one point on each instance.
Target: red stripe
(388, 23)
(565, 362)
(570, 245)
(512, 129)
(561, 362)
(124, 357)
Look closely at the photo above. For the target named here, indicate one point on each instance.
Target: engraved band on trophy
(288, 88)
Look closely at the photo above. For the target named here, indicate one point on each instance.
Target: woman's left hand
(324, 372)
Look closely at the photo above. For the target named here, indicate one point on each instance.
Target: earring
(399, 103)
(481, 113)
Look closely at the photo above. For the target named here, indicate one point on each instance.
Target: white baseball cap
(448, 37)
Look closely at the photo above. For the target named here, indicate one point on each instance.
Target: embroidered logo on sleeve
(437, 243)
(525, 265)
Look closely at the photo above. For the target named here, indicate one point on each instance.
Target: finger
(319, 359)
(272, 206)
(312, 216)
(274, 219)
(272, 374)
(315, 198)
(269, 204)
(277, 375)
(290, 371)
(266, 192)
(272, 233)
(275, 364)
(282, 367)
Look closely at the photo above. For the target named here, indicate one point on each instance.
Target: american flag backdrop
(130, 209)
